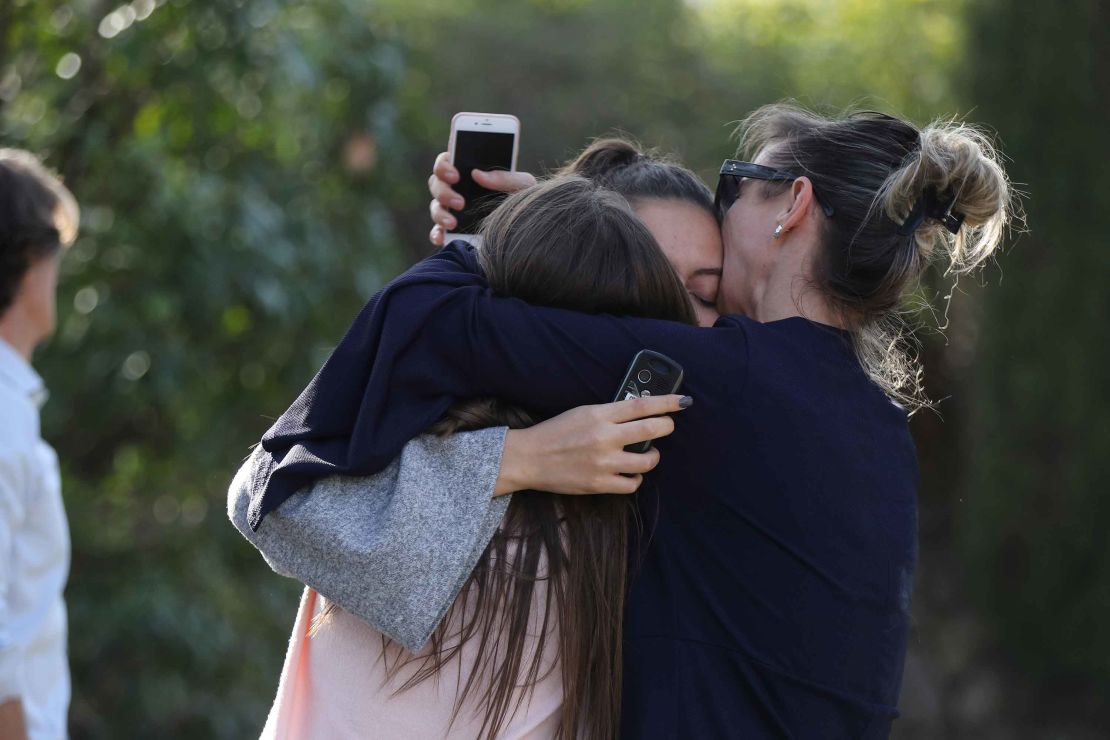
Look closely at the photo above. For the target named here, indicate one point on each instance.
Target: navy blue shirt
(772, 598)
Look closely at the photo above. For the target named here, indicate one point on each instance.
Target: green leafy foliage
(233, 165)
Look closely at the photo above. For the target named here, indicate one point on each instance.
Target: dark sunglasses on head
(733, 171)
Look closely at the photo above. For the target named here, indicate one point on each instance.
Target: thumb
(502, 181)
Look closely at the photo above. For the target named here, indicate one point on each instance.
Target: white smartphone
(484, 141)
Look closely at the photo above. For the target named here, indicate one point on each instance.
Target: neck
(787, 292)
(19, 334)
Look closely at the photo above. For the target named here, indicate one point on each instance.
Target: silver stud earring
(778, 232)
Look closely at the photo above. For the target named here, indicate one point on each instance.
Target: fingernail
(685, 402)
(456, 203)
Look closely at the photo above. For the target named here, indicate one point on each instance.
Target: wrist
(515, 457)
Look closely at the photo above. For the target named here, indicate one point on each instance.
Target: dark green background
(251, 170)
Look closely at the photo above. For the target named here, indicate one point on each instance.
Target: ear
(799, 208)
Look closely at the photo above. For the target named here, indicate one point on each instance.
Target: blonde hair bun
(957, 161)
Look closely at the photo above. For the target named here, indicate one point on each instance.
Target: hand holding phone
(650, 374)
(585, 450)
(441, 186)
(484, 141)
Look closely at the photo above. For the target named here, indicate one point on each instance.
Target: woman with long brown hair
(387, 591)
(532, 644)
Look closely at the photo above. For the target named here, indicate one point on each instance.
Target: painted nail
(685, 402)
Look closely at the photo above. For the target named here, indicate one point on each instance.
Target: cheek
(746, 257)
(730, 299)
(737, 246)
(42, 285)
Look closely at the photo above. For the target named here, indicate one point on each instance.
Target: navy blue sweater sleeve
(437, 335)
(547, 359)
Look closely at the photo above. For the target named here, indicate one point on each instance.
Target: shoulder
(452, 266)
(733, 320)
(20, 430)
(734, 326)
(18, 454)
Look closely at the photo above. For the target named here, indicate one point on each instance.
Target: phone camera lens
(643, 376)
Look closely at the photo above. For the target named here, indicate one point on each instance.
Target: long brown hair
(567, 243)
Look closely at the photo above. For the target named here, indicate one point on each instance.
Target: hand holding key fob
(650, 374)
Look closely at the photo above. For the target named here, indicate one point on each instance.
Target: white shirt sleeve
(14, 474)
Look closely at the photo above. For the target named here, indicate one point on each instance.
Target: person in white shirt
(38, 220)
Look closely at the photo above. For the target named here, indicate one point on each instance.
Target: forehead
(688, 234)
(667, 218)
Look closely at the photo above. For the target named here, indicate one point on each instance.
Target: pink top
(334, 685)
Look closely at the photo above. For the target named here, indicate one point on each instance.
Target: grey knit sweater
(394, 548)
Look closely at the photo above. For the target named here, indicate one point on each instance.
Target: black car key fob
(650, 374)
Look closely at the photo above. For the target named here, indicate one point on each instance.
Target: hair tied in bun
(932, 206)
